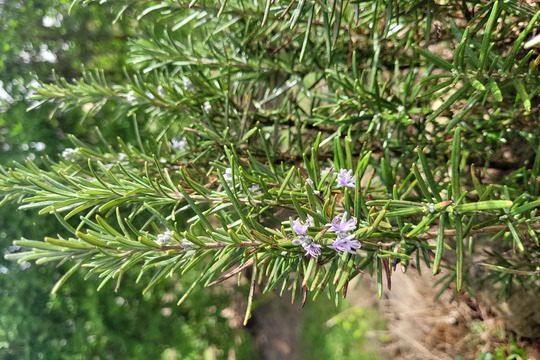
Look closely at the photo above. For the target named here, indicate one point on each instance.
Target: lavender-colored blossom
(160, 90)
(207, 107)
(227, 175)
(179, 145)
(301, 228)
(164, 238)
(188, 85)
(70, 154)
(340, 224)
(303, 240)
(187, 245)
(345, 179)
(348, 244)
(130, 97)
(313, 250)
(14, 248)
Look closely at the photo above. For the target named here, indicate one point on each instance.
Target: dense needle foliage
(309, 141)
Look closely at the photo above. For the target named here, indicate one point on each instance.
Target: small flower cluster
(312, 249)
(187, 245)
(70, 154)
(130, 97)
(207, 107)
(188, 84)
(228, 176)
(345, 240)
(166, 238)
(343, 227)
(179, 144)
(160, 90)
(346, 179)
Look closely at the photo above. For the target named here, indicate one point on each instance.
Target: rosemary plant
(310, 141)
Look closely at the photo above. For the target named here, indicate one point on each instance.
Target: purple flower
(313, 249)
(345, 179)
(160, 90)
(348, 244)
(301, 228)
(187, 245)
(164, 238)
(254, 188)
(340, 224)
(180, 145)
(303, 240)
(188, 85)
(228, 176)
(207, 107)
(130, 96)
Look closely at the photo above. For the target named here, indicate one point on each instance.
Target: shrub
(311, 142)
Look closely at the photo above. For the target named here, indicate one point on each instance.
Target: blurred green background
(79, 323)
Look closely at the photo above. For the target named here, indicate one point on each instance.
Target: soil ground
(418, 326)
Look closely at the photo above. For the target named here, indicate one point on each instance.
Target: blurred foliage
(81, 323)
(346, 334)
(511, 351)
(37, 37)
(37, 33)
(84, 324)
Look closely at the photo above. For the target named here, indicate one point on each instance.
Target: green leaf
(196, 208)
(522, 92)
(438, 61)
(440, 244)
(515, 236)
(459, 94)
(456, 196)
(428, 174)
(422, 225)
(421, 184)
(510, 58)
(69, 273)
(488, 32)
(495, 91)
(71, 244)
(91, 240)
(477, 85)
(483, 205)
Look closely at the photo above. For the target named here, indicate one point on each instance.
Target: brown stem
(488, 229)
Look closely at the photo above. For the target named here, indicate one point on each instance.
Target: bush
(311, 142)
